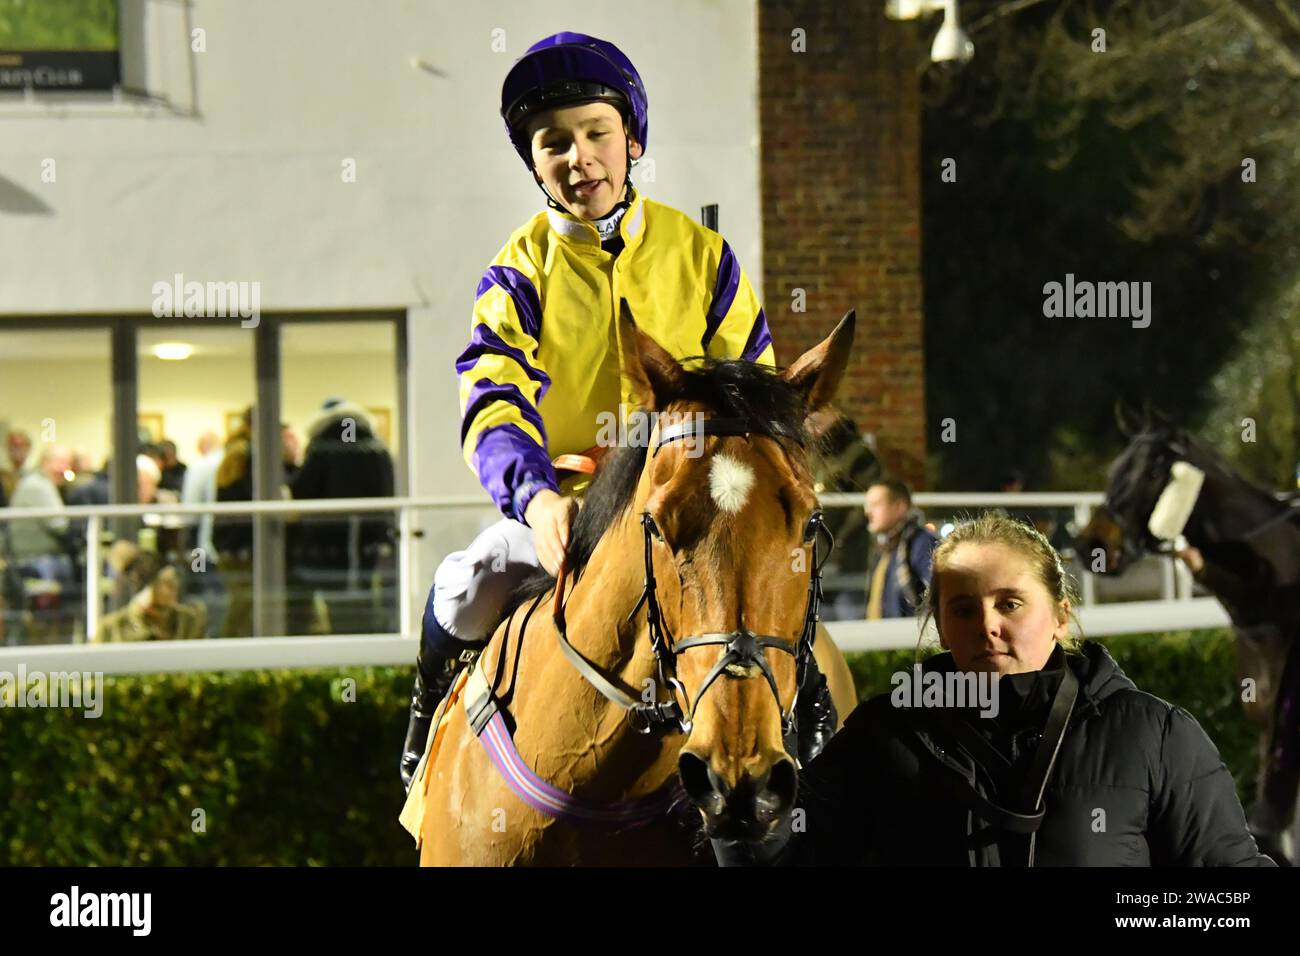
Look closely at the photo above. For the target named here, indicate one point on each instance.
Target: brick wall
(841, 134)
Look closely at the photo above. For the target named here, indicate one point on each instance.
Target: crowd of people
(178, 577)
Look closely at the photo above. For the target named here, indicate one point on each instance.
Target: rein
(744, 649)
(1167, 546)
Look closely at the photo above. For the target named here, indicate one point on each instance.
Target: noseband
(744, 650)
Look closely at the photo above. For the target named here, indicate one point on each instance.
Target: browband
(723, 426)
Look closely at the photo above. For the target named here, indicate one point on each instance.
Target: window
(59, 45)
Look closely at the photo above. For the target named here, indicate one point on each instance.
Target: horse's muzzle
(747, 811)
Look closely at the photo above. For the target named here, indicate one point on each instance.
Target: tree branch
(1286, 58)
(998, 13)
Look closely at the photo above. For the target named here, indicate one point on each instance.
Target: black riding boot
(814, 714)
(438, 664)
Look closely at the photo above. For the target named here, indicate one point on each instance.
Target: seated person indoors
(156, 612)
(1072, 765)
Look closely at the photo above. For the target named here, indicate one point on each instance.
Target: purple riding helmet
(569, 68)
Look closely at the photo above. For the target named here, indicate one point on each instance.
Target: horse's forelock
(726, 389)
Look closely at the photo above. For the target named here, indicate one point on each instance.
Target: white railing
(1176, 611)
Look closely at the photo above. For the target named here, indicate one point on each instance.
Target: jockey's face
(994, 613)
(580, 156)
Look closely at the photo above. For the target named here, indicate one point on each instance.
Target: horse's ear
(818, 371)
(656, 376)
(1123, 419)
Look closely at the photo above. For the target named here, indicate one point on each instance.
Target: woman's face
(995, 613)
(166, 589)
(580, 154)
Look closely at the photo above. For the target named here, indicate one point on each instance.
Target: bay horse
(1250, 541)
(663, 676)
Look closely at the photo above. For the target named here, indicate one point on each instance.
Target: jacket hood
(335, 414)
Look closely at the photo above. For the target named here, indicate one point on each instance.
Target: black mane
(730, 389)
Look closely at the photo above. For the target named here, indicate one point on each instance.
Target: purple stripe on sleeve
(486, 342)
(759, 339)
(527, 304)
(504, 458)
(485, 392)
(724, 293)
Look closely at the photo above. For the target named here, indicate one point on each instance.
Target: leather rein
(743, 648)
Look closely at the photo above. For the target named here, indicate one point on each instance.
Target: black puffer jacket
(344, 459)
(1136, 783)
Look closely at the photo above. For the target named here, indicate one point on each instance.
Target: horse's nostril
(702, 785)
(776, 794)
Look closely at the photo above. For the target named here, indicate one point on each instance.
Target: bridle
(744, 649)
(1134, 544)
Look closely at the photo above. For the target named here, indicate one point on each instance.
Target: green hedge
(289, 772)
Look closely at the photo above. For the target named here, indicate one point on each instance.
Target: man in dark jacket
(344, 459)
(900, 571)
(1135, 782)
(232, 535)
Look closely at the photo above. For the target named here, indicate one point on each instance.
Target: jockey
(543, 367)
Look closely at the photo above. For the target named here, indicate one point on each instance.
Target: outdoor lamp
(951, 44)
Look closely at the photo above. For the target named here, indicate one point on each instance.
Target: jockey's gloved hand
(815, 714)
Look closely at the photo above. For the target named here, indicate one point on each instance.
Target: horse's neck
(602, 599)
(1228, 509)
(578, 734)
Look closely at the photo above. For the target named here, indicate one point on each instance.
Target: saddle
(412, 815)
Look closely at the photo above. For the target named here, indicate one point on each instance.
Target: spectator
(233, 536)
(155, 613)
(200, 488)
(89, 487)
(166, 529)
(943, 781)
(19, 447)
(344, 460)
(40, 548)
(40, 489)
(900, 572)
(173, 469)
(292, 453)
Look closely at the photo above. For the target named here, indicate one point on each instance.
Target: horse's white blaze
(729, 483)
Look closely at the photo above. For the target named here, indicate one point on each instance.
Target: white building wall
(240, 179)
(250, 187)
